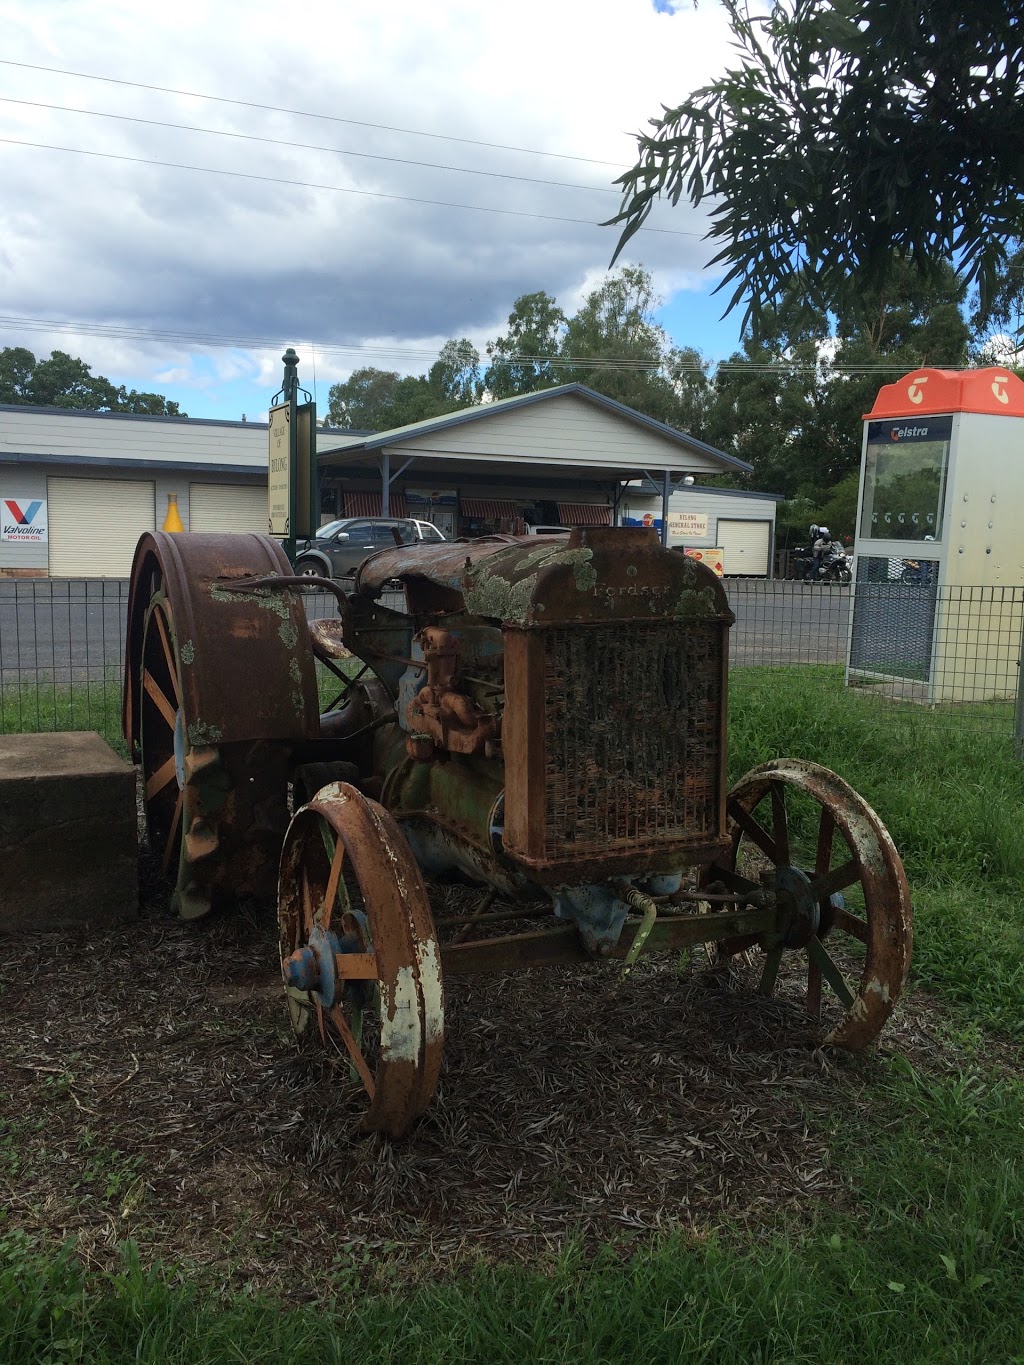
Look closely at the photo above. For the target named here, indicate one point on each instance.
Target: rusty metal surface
(393, 930)
(598, 574)
(246, 664)
(216, 814)
(326, 637)
(809, 921)
(613, 743)
(562, 945)
(441, 709)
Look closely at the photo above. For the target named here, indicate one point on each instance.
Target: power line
(125, 332)
(306, 146)
(314, 185)
(303, 113)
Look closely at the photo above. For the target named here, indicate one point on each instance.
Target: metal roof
(483, 411)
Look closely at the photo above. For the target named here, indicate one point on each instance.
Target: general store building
(568, 456)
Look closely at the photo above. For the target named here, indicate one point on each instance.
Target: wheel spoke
(756, 833)
(165, 861)
(354, 1051)
(813, 989)
(732, 881)
(850, 924)
(771, 970)
(168, 655)
(163, 776)
(332, 882)
(826, 830)
(819, 955)
(780, 823)
(162, 704)
(836, 880)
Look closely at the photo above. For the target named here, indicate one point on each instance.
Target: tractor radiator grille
(633, 730)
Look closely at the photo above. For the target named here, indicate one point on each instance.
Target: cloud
(121, 243)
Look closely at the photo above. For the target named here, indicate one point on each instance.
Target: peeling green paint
(289, 635)
(188, 652)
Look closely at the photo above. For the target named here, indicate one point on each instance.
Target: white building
(568, 455)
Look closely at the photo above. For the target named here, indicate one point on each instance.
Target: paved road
(72, 630)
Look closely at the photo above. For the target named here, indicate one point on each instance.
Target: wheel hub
(799, 913)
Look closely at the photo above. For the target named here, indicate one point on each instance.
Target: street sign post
(292, 492)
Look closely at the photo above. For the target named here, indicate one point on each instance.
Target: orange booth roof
(992, 390)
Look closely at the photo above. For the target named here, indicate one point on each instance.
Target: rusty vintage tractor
(540, 716)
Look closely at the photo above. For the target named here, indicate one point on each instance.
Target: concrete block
(69, 838)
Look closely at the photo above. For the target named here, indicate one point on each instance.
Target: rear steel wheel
(220, 684)
(359, 952)
(215, 813)
(804, 836)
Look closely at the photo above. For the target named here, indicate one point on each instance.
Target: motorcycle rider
(821, 547)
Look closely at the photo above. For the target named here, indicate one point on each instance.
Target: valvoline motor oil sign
(24, 520)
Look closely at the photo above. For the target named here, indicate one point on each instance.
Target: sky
(342, 266)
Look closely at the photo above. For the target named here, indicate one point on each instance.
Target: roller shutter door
(227, 507)
(95, 524)
(745, 546)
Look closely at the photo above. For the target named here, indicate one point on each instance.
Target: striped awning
(369, 504)
(490, 509)
(584, 514)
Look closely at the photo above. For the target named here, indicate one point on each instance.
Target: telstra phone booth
(939, 576)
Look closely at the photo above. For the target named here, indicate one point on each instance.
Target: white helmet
(824, 531)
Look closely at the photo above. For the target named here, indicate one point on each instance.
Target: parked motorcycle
(918, 571)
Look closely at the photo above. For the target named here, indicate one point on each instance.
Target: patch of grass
(925, 1266)
(30, 708)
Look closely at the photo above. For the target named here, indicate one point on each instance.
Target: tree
(792, 401)
(16, 366)
(615, 324)
(523, 360)
(364, 401)
(150, 404)
(64, 381)
(855, 132)
(378, 400)
(454, 377)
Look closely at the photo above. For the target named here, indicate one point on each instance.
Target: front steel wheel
(805, 840)
(359, 953)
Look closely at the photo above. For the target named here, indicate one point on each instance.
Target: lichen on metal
(266, 598)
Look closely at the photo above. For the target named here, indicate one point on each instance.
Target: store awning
(489, 509)
(584, 514)
(369, 505)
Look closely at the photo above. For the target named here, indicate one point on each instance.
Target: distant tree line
(63, 381)
(790, 402)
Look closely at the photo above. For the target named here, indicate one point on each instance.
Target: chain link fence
(948, 656)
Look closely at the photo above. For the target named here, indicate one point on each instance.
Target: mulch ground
(150, 1088)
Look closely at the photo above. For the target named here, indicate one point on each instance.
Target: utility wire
(306, 146)
(303, 113)
(314, 185)
(119, 332)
